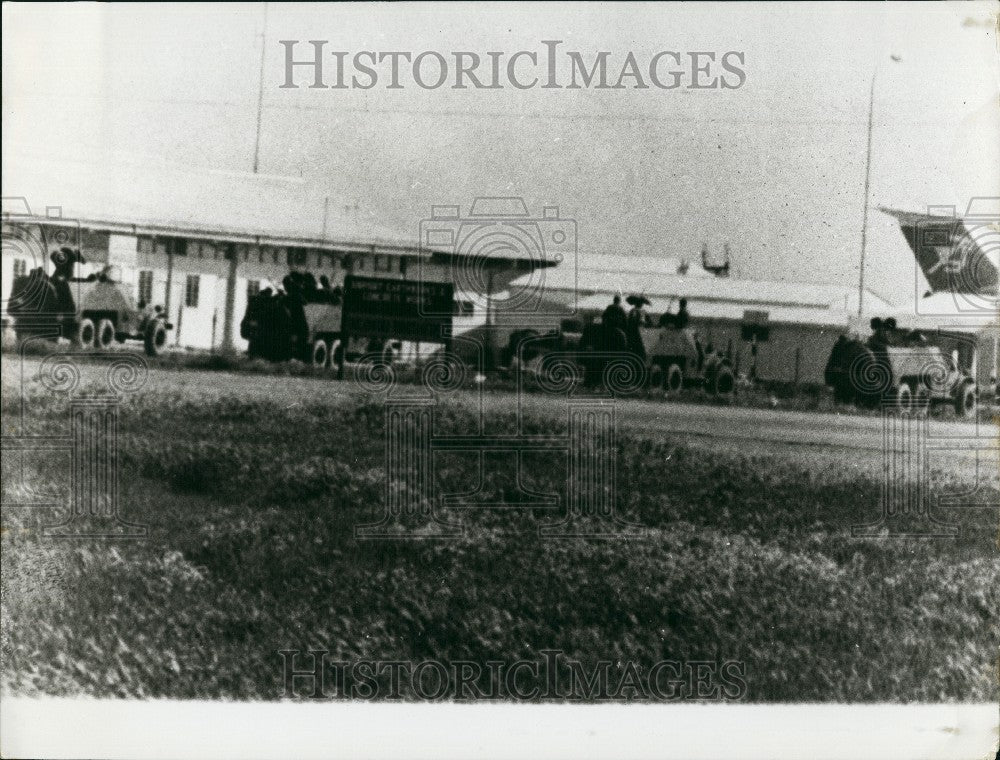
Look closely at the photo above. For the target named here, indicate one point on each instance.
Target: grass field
(252, 505)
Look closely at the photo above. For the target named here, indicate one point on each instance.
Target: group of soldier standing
(629, 324)
(275, 325)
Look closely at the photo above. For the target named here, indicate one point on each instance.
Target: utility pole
(232, 252)
(260, 93)
(868, 174)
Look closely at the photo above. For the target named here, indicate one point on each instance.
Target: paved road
(752, 430)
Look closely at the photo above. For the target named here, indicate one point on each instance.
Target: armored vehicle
(905, 372)
(674, 358)
(93, 311)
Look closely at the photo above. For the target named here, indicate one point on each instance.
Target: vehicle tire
(86, 333)
(673, 381)
(722, 383)
(965, 401)
(902, 399)
(390, 354)
(320, 354)
(155, 338)
(105, 334)
(336, 353)
(656, 376)
(921, 399)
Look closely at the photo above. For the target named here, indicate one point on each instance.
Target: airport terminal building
(204, 277)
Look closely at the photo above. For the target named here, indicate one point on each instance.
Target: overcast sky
(151, 110)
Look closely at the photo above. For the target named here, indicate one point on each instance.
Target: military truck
(93, 311)
(306, 322)
(904, 372)
(675, 358)
(302, 325)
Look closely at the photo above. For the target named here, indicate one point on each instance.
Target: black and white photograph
(502, 380)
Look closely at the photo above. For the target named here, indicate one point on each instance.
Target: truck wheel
(155, 338)
(921, 400)
(674, 379)
(85, 334)
(390, 354)
(320, 354)
(105, 335)
(965, 401)
(722, 382)
(656, 376)
(902, 399)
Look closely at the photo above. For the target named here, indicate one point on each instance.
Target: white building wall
(202, 326)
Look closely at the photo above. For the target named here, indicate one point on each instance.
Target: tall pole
(232, 252)
(260, 93)
(868, 174)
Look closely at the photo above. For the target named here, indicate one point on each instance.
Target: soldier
(682, 317)
(880, 335)
(679, 320)
(296, 330)
(835, 374)
(633, 332)
(614, 316)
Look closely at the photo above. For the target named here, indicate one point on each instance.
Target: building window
(382, 263)
(347, 263)
(20, 267)
(253, 288)
(179, 246)
(359, 264)
(145, 287)
(191, 291)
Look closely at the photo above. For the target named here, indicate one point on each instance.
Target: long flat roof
(374, 245)
(749, 293)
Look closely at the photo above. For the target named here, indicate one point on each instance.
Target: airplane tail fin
(957, 254)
